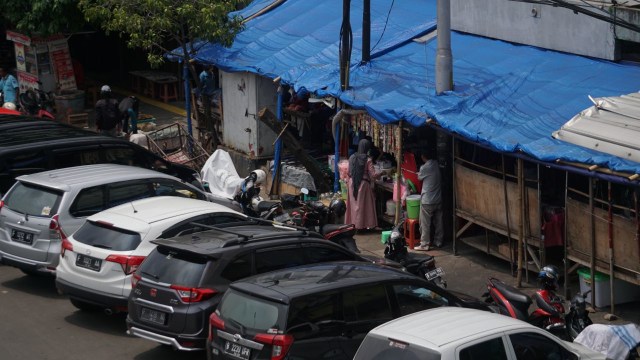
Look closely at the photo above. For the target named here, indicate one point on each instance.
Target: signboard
(27, 81)
(21, 62)
(62, 65)
(18, 38)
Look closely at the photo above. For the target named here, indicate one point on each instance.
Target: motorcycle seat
(348, 229)
(267, 205)
(512, 294)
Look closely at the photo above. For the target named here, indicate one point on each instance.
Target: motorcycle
(549, 315)
(396, 250)
(37, 103)
(252, 203)
(316, 216)
(578, 317)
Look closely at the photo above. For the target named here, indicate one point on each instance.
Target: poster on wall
(27, 81)
(63, 68)
(21, 64)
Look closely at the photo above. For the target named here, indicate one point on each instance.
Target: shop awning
(508, 97)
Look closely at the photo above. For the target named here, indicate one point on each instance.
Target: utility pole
(444, 61)
(345, 44)
(366, 32)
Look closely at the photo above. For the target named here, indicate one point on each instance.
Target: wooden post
(521, 222)
(399, 173)
(453, 201)
(506, 212)
(592, 229)
(566, 239)
(541, 249)
(611, 274)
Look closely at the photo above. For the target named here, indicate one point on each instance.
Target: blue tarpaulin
(507, 97)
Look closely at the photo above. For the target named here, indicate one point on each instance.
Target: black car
(29, 145)
(320, 311)
(181, 282)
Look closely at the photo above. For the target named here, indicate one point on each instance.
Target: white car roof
(440, 326)
(90, 175)
(158, 208)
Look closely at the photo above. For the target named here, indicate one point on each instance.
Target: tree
(42, 17)
(159, 26)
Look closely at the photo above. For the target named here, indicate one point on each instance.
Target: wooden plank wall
(482, 195)
(626, 252)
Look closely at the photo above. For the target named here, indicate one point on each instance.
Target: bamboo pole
(521, 221)
(399, 172)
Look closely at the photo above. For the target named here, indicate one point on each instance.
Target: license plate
(236, 350)
(437, 272)
(88, 262)
(21, 236)
(153, 316)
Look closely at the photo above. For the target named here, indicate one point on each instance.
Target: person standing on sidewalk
(430, 202)
(8, 87)
(108, 115)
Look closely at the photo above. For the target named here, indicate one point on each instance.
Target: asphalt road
(37, 323)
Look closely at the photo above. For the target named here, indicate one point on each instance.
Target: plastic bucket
(390, 207)
(344, 190)
(384, 236)
(413, 206)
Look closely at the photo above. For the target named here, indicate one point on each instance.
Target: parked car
(29, 145)
(181, 282)
(97, 261)
(41, 208)
(465, 334)
(320, 311)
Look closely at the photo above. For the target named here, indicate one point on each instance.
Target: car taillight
(1, 205)
(134, 280)
(193, 295)
(55, 231)
(129, 263)
(66, 245)
(280, 344)
(215, 323)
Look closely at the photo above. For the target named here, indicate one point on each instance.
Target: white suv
(39, 207)
(97, 261)
(466, 334)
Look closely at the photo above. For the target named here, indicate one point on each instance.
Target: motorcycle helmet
(338, 207)
(9, 106)
(259, 176)
(548, 277)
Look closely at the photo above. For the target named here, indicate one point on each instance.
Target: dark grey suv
(320, 311)
(181, 282)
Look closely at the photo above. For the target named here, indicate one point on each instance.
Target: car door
(530, 345)
(278, 257)
(492, 347)
(364, 308)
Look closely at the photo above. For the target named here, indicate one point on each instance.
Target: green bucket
(413, 206)
(384, 236)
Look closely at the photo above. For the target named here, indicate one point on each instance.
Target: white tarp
(221, 174)
(614, 341)
(611, 126)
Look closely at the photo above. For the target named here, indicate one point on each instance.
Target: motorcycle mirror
(304, 191)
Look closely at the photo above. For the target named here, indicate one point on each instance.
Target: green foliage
(42, 17)
(159, 26)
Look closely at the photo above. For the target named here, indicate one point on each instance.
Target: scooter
(578, 317)
(509, 301)
(37, 103)
(423, 266)
(252, 203)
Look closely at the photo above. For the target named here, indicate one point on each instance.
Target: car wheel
(83, 306)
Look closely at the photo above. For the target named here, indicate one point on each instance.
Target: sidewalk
(468, 271)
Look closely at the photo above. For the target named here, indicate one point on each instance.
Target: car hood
(585, 352)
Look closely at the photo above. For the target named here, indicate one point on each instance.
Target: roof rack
(211, 227)
(271, 222)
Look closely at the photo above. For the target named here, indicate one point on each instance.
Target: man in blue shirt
(207, 81)
(8, 87)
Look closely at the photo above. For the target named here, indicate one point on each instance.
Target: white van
(450, 333)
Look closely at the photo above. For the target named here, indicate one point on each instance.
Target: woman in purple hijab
(361, 207)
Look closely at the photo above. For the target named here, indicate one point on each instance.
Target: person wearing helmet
(545, 297)
(108, 115)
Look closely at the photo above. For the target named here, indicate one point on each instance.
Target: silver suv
(40, 208)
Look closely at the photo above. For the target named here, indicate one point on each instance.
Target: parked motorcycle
(252, 203)
(578, 317)
(37, 103)
(396, 250)
(550, 314)
(316, 216)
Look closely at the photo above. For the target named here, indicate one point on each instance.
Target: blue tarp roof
(507, 97)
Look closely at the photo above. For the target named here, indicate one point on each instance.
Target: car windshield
(171, 267)
(249, 313)
(41, 201)
(107, 237)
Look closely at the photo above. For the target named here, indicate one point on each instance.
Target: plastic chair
(412, 232)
